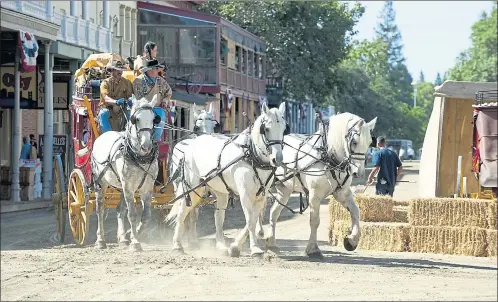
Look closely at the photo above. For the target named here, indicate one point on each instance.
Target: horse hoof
(316, 255)
(274, 249)
(177, 251)
(135, 247)
(261, 234)
(233, 251)
(348, 246)
(124, 244)
(100, 245)
(258, 255)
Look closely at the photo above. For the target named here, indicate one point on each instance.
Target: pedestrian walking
(387, 167)
(26, 148)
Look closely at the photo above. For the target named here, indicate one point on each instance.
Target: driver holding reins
(148, 84)
(115, 92)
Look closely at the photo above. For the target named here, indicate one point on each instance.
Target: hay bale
(373, 208)
(401, 203)
(451, 212)
(400, 214)
(448, 240)
(492, 242)
(491, 215)
(378, 236)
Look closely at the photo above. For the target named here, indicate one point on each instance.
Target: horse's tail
(170, 219)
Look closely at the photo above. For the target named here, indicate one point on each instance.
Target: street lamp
(414, 83)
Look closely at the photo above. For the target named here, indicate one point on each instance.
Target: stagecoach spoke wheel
(59, 198)
(79, 207)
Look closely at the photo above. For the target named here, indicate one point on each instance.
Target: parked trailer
(449, 135)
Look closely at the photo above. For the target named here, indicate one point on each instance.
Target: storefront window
(187, 45)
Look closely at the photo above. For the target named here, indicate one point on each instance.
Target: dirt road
(33, 267)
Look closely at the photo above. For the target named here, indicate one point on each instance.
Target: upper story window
(223, 51)
(237, 58)
(150, 17)
(244, 61)
(261, 67)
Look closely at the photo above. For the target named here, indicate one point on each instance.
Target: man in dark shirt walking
(388, 167)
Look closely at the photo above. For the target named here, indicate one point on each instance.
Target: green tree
(305, 41)
(438, 80)
(478, 63)
(365, 88)
(421, 77)
(388, 32)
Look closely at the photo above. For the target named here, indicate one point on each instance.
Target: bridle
(268, 143)
(197, 128)
(348, 139)
(133, 121)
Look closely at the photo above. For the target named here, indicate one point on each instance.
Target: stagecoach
(79, 198)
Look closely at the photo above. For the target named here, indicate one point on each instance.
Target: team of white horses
(258, 163)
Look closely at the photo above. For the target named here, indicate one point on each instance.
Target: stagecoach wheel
(59, 198)
(79, 207)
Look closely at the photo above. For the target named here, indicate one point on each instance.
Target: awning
(189, 98)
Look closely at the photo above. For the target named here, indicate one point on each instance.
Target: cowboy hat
(150, 64)
(116, 65)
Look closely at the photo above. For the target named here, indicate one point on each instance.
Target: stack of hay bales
(379, 231)
(439, 225)
(453, 226)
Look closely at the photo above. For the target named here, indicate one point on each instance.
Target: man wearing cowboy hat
(114, 92)
(148, 84)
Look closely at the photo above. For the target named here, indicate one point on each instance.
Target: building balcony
(241, 81)
(122, 47)
(73, 30)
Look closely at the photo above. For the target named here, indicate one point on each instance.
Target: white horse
(244, 166)
(204, 124)
(344, 149)
(127, 161)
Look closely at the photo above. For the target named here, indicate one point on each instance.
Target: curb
(10, 207)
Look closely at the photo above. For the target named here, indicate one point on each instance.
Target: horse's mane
(338, 129)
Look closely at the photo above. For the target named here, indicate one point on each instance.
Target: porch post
(16, 141)
(105, 13)
(84, 9)
(73, 9)
(48, 116)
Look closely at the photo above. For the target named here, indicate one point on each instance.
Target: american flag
(28, 47)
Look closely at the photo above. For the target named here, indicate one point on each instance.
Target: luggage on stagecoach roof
(99, 60)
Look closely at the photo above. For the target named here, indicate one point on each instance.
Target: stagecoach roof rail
(486, 95)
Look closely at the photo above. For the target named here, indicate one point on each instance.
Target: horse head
(349, 139)
(204, 121)
(268, 134)
(140, 127)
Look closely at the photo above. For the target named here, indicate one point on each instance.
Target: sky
(433, 33)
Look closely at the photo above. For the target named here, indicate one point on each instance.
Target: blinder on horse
(215, 128)
(268, 143)
(287, 129)
(133, 119)
(349, 139)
